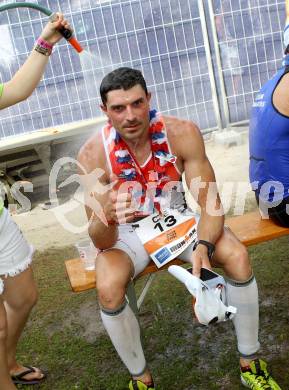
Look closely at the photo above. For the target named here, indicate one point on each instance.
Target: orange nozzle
(74, 42)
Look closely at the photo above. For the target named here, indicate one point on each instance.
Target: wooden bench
(249, 228)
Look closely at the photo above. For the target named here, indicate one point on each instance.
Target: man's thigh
(230, 254)
(129, 243)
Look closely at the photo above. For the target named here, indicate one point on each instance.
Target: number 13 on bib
(166, 236)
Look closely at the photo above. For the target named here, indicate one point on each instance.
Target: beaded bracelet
(43, 47)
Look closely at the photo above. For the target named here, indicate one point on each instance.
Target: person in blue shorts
(269, 142)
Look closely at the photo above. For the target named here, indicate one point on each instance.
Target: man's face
(128, 112)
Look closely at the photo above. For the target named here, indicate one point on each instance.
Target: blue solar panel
(163, 38)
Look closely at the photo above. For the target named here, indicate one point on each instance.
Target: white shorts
(15, 252)
(129, 242)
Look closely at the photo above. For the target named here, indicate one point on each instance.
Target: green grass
(65, 336)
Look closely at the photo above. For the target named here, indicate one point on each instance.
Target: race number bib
(166, 236)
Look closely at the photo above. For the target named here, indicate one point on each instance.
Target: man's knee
(239, 258)
(240, 254)
(112, 277)
(110, 293)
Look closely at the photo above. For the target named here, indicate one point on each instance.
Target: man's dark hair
(121, 78)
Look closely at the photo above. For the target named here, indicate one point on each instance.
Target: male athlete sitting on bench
(143, 152)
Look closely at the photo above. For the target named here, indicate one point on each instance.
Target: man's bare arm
(103, 236)
(197, 165)
(287, 11)
(201, 182)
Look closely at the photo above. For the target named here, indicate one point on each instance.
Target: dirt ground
(43, 230)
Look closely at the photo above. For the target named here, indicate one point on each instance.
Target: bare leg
(232, 256)
(5, 379)
(20, 295)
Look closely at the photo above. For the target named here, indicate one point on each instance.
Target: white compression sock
(124, 331)
(244, 296)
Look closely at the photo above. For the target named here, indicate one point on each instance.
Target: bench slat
(80, 280)
(249, 228)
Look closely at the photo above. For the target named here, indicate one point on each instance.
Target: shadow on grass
(66, 338)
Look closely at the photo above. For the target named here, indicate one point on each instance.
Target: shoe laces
(258, 376)
(261, 380)
(135, 385)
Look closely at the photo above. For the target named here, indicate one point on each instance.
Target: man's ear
(103, 108)
(149, 95)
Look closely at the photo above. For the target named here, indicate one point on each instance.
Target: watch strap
(211, 247)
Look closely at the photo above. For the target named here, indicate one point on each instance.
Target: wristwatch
(209, 245)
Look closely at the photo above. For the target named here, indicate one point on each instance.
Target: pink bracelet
(42, 43)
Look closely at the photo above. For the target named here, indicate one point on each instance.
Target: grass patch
(65, 335)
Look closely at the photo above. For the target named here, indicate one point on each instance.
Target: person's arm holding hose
(25, 80)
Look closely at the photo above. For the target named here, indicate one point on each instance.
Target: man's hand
(119, 208)
(50, 32)
(200, 260)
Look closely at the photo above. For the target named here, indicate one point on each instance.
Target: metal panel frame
(219, 65)
(210, 64)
